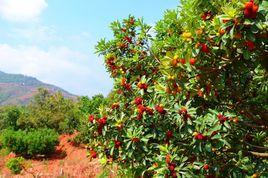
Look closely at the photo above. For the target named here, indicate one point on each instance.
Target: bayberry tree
(190, 97)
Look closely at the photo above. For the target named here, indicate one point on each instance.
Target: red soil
(67, 161)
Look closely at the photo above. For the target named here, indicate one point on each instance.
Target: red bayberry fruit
(139, 117)
(128, 39)
(135, 140)
(168, 158)
(250, 10)
(200, 93)
(93, 154)
(127, 86)
(123, 81)
(149, 111)
(183, 111)
(207, 15)
(142, 86)
(138, 101)
(200, 136)
(117, 144)
(160, 109)
(192, 61)
(141, 109)
(115, 106)
(248, 5)
(132, 21)
(204, 48)
(222, 31)
(250, 45)
(222, 118)
(182, 61)
(169, 134)
(171, 167)
(102, 121)
(206, 167)
(91, 118)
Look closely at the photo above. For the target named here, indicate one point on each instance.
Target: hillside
(19, 89)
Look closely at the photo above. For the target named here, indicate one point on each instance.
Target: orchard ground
(68, 160)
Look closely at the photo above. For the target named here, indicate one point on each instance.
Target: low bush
(15, 164)
(30, 143)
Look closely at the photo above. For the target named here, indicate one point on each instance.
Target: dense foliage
(51, 111)
(88, 106)
(191, 96)
(15, 164)
(9, 115)
(30, 143)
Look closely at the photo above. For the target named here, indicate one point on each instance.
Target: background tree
(51, 111)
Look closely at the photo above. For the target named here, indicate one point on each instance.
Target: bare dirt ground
(67, 161)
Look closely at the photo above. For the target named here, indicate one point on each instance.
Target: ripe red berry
(174, 174)
(169, 134)
(250, 10)
(204, 48)
(182, 61)
(206, 16)
(192, 61)
(206, 167)
(222, 31)
(168, 158)
(93, 154)
(132, 21)
(149, 111)
(115, 106)
(127, 86)
(139, 117)
(171, 167)
(135, 140)
(160, 109)
(141, 109)
(200, 136)
(142, 86)
(117, 144)
(102, 121)
(100, 127)
(222, 118)
(183, 111)
(128, 39)
(91, 118)
(200, 93)
(138, 101)
(123, 81)
(248, 5)
(250, 45)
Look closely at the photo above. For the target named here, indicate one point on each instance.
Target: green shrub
(30, 143)
(15, 164)
(51, 111)
(9, 116)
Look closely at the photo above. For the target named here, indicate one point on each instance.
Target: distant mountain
(20, 89)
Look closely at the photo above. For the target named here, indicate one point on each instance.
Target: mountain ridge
(20, 89)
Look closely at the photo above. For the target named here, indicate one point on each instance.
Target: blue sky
(54, 40)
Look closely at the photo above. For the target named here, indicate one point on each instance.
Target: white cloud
(34, 33)
(71, 70)
(21, 10)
